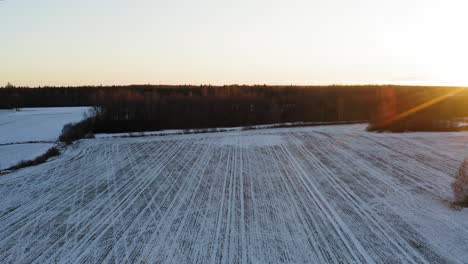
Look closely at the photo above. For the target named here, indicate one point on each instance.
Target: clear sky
(65, 42)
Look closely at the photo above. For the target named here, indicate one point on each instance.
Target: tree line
(149, 107)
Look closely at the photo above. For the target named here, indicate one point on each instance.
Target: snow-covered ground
(37, 124)
(291, 195)
(10, 155)
(224, 129)
(40, 125)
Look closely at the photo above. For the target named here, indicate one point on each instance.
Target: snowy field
(10, 155)
(37, 124)
(40, 125)
(294, 195)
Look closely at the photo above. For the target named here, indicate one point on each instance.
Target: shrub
(52, 152)
(460, 186)
(74, 131)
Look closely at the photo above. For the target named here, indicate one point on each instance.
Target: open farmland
(295, 195)
(28, 133)
(37, 124)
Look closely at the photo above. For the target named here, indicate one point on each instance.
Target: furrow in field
(295, 195)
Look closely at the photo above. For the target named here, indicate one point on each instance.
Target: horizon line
(236, 84)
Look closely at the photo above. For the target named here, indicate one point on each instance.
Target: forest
(155, 107)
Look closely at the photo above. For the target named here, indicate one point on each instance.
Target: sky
(92, 42)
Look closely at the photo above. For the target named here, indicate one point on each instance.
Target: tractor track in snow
(289, 195)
